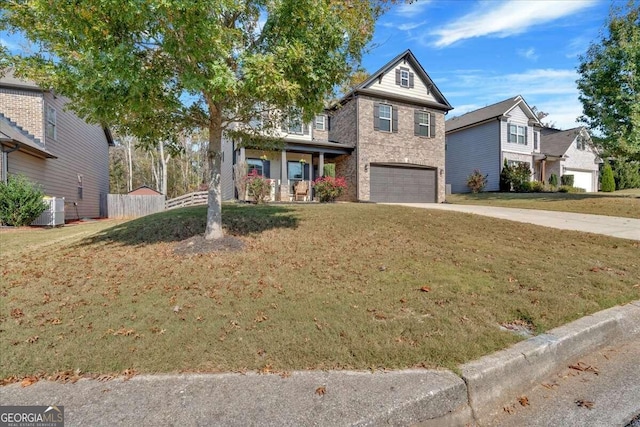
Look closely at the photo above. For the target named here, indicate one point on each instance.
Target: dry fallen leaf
(320, 391)
(583, 367)
(585, 403)
(27, 381)
(425, 289)
(32, 339)
(508, 409)
(524, 400)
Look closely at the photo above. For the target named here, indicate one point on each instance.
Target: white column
(321, 165)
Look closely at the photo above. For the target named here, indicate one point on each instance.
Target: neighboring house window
(518, 134)
(516, 163)
(385, 118)
(319, 123)
(51, 127)
(404, 77)
(424, 124)
(581, 143)
(255, 164)
(535, 140)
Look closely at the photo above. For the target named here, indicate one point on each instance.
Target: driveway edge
(498, 378)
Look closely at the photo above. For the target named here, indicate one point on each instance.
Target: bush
(20, 201)
(626, 174)
(537, 187)
(505, 177)
(567, 180)
(521, 178)
(329, 170)
(476, 181)
(258, 187)
(553, 180)
(564, 189)
(328, 188)
(607, 184)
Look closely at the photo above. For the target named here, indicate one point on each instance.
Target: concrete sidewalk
(625, 228)
(337, 398)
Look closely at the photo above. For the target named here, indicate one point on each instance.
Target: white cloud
(8, 44)
(529, 54)
(506, 18)
(411, 9)
(577, 46)
(553, 91)
(408, 26)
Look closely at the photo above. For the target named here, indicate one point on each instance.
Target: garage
(402, 184)
(581, 179)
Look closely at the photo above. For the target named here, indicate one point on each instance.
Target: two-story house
(53, 147)
(386, 137)
(483, 139)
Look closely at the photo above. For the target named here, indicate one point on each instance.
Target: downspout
(5, 160)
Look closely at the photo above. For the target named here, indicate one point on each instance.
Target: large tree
(142, 64)
(609, 84)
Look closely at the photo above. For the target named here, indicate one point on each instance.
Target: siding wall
(80, 148)
(226, 170)
(473, 148)
(388, 85)
(517, 117)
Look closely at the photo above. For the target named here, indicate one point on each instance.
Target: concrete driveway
(625, 228)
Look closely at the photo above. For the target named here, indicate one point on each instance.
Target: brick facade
(25, 108)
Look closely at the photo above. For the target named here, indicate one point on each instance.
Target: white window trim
(520, 132)
(426, 125)
(319, 125)
(51, 124)
(404, 77)
(381, 118)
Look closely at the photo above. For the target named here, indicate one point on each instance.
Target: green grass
(317, 287)
(624, 203)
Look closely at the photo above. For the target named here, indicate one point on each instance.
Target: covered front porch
(296, 163)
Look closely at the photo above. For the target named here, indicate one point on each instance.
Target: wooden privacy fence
(130, 206)
(191, 199)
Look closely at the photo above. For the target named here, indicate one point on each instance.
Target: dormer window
(404, 78)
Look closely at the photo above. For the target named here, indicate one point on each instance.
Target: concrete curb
(410, 397)
(495, 379)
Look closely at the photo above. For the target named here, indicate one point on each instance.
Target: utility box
(53, 216)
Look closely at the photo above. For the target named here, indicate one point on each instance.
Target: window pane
(254, 164)
(295, 170)
(385, 124)
(319, 122)
(385, 111)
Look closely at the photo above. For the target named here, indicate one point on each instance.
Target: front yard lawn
(341, 286)
(624, 203)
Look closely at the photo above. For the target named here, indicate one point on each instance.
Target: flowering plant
(328, 188)
(258, 187)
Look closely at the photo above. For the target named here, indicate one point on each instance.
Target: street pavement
(626, 228)
(602, 389)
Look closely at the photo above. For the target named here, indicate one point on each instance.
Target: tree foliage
(607, 183)
(155, 67)
(609, 83)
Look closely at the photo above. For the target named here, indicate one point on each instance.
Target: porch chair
(301, 191)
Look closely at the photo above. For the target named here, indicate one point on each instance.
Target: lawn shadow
(542, 197)
(183, 223)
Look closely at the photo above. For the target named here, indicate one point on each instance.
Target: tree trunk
(129, 143)
(164, 161)
(214, 161)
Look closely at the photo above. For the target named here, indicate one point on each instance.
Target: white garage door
(581, 179)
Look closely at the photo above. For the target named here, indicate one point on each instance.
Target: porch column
(321, 165)
(544, 170)
(243, 156)
(284, 184)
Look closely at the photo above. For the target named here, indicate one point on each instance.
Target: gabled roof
(14, 136)
(493, 111)
(556, 142)
(409, 57)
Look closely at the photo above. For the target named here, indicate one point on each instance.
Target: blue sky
(481, 52)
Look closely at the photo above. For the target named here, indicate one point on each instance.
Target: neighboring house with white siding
(386, 137)
(483, 139)
(570, 152)
(52, 147)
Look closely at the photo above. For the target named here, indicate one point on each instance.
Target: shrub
(505, 177)
(329, 170)
(608, 184)
(521, 177)
(626, 174)
(537, 187)
(476, 181)
(258, 187)
(564, 189)
(20, 201)
(567, 180)
(328, 188)
(553, 180)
